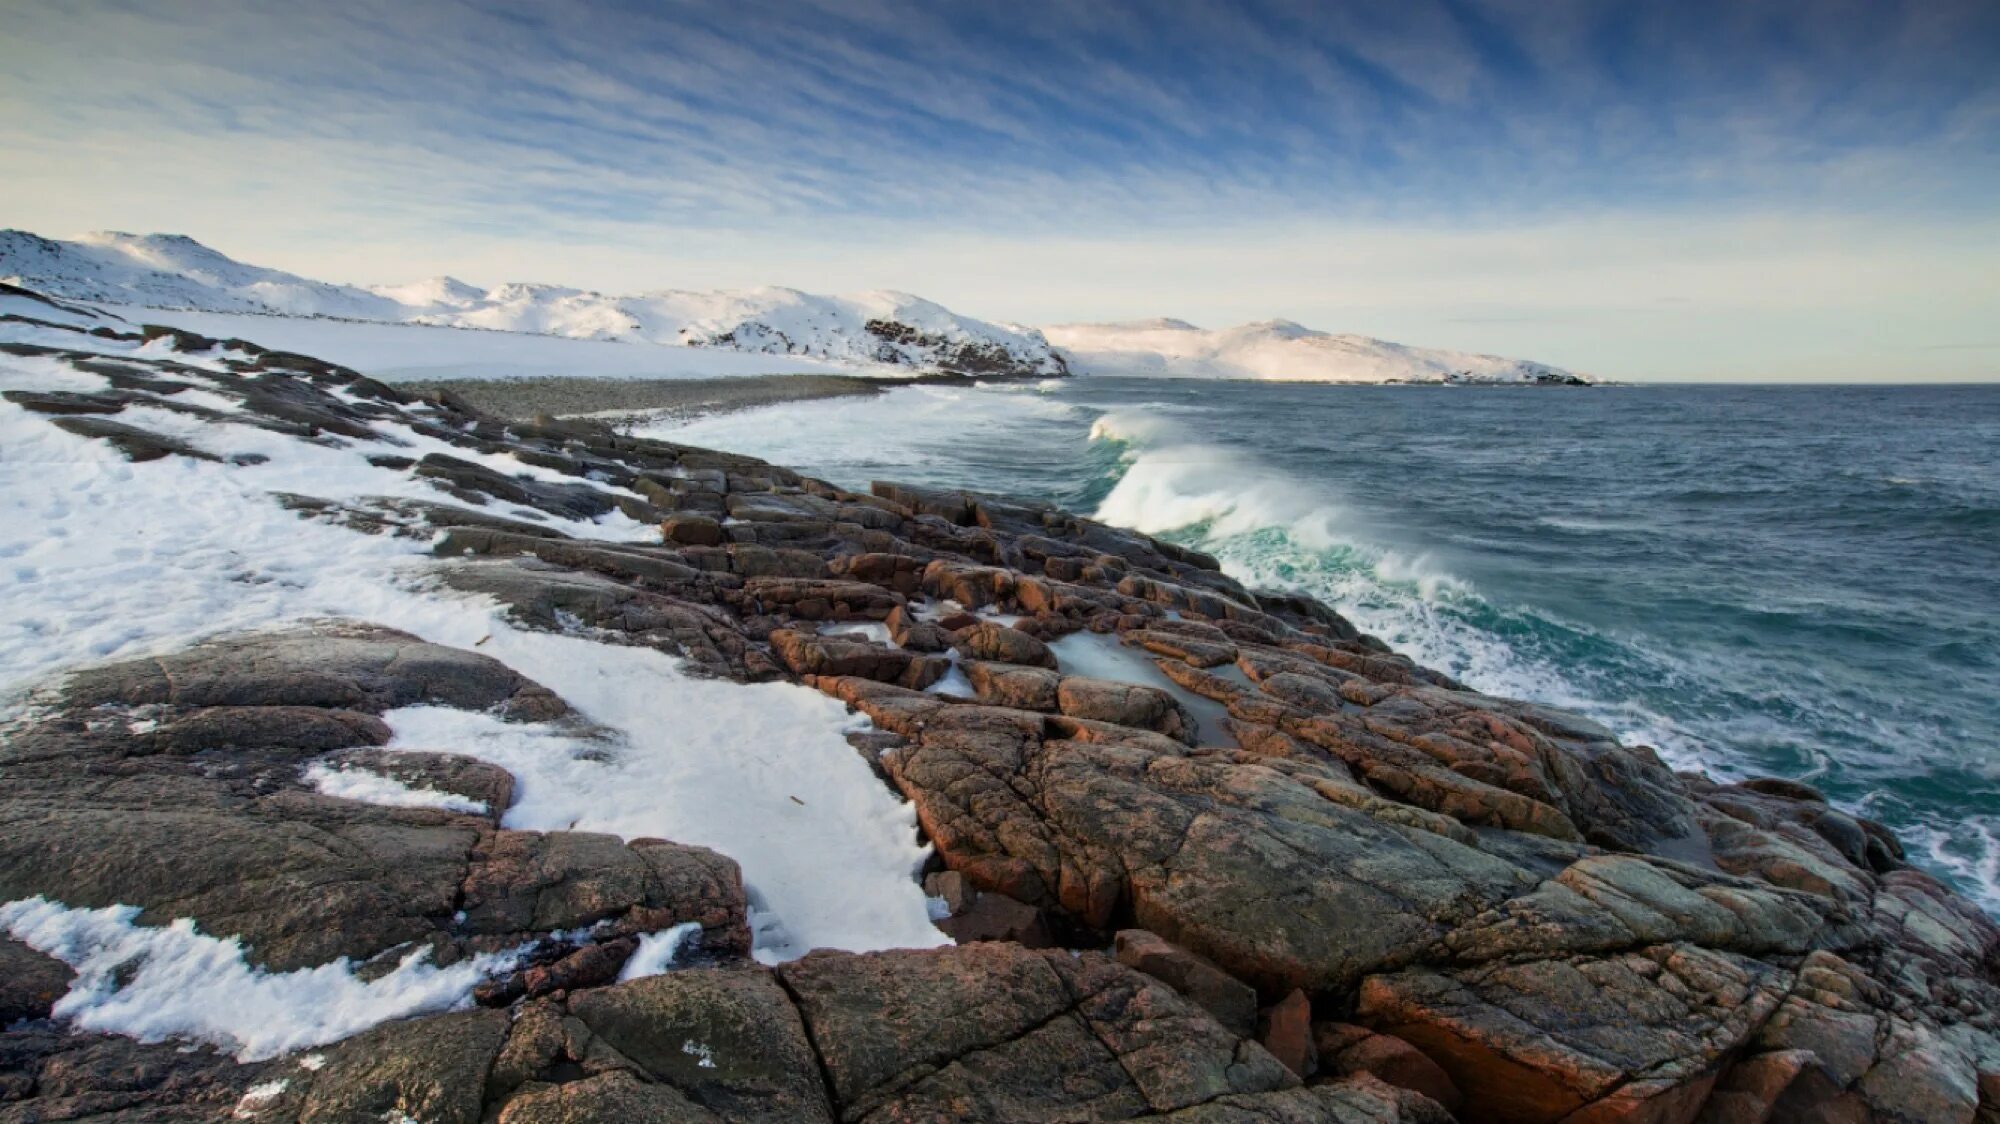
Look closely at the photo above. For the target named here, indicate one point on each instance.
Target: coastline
(1116, 829)
(612, 400)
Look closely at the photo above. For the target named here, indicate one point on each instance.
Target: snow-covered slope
(879, 328)
(397, 353)
(1278, 350)
(173, 271)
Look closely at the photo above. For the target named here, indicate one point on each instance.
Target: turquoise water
(1796, 581)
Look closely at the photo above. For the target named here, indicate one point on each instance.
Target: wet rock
(953, 507)
(29, 982)
(468, 480)
(1074, 1037)
(1285, 1029)
(692, 530)
(135, 444)
(1345, 1049)
(1012, 685)
(805, 653)
(46, 1074)
(997, 917)
(614, 1096)
(469, 777)
(998, 643)
(1232, 1002)
(656, 568)
(1541, 1041)
(432, 1070)
(1124, 704)
(1204, 647)
(1235, 862)
(62, 402)
(728, 1040)
(335, 665)
(915, 635)
(817, 600)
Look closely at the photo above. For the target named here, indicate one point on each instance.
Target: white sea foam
(918, 430)
(1968, 851)
(351, 783)
(155, 983)
(1272, 531)
(658, 951)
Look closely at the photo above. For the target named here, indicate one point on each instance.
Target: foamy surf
(1666, 580)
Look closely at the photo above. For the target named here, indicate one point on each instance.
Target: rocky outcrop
(1335, 885)
(177, 785)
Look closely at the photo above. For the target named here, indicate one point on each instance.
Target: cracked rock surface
(1464, 907)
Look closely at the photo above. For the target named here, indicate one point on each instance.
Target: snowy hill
(1280, 351)
(170, 271)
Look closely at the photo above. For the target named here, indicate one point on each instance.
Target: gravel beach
(522, 399)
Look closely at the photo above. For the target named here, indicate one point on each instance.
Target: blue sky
(1693, 189)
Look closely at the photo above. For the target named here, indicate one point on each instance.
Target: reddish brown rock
(1285, 1029)
(1562, 1040)
(914, 635)
(1124, 704)
(1347, 1049)
(1230, 1000)
(822, 599)
(1193, 650)
(1075, 1037)
(1024, 688)
(808, 653)
(998, 643)
(692, 530)
(30, 982)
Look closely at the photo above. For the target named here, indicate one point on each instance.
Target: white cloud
(1423, 170)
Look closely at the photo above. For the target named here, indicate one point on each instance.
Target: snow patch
(102, 559)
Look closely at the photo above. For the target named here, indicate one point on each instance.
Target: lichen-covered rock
(1124, 704)
(1011, 685)
(728, 1040)
(1544, 1041)
(1000, 644)
(1054, 1036)
(30, 982)
(1230, 1000)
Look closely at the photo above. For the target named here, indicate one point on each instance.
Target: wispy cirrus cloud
(603, 136)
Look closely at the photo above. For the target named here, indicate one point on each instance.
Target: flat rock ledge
(1276, 873)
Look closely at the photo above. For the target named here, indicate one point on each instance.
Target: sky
(1704, 189)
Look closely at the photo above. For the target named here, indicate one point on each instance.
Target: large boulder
(1055, 1035)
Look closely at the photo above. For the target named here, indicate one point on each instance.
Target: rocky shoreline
(1210, 854)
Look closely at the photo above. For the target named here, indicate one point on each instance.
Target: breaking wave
(1692, 584)
(1271, 530)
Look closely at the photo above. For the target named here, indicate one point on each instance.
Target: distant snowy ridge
(172, 271)
(1280, 351)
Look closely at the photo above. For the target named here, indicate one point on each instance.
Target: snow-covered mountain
(876, 328)
(1279, 351)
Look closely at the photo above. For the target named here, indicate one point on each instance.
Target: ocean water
(1791, 581)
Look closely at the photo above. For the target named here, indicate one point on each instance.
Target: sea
(1793, 581)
